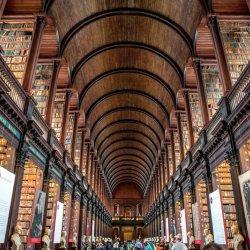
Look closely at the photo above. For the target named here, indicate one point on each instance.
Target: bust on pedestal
(190, 241)
(238, 238)
(63, 241)
(46, 239)
(208, 236)
(15, 238)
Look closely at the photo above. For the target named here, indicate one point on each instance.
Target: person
(138, 245)
(212, 246)
(178, 245)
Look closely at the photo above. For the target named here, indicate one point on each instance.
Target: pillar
(167, 163)
(179, 130)
(220, 54)
(29, 75)
(74, 137)
(65, 117)
(2, 6)
(201, 91)
(189, 118)
(172, 149)
(52, 92)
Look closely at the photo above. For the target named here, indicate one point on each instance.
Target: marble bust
(15, 238)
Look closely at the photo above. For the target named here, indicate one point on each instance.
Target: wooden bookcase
(222, 180)
(40, 88)
(15, 40)
(32, 181)
(236, 40)
(212, 86)
(177, 148)
(185, 133)
(66, 211)
(69, 132)
(196, 114)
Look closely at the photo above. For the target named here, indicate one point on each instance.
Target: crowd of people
(174, 243)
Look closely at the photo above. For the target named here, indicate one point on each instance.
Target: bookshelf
(66, 211)
(40, 88)
(78, 148)
(245, 156)
(53, 198)
(7, 152)
(172, 225)
(69, 132)
(32, 181)
(188, 210)
(15, 40)
(57, 118)
(236, 40)
(222, 180)
(170, 160)
(74, 223)
(213, 87)
(185, 134)
(201, 197)
(177, 148)
(196, 114)
(84, 158)
(178, 216)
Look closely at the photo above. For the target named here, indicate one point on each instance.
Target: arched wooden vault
(127, 62)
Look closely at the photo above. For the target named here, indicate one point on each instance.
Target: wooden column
(74, 137)
(201, 91)
(167, 163)
(87, 160)
(2, 6)
(159, 180)
(52, 92)
(163, 170)
(81, 167)
(189, 118)
(172, 149)
(29, 75)
(65, 117)
(91, 168)
(220, 54)
(179, 130)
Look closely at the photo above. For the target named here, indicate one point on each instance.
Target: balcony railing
(16, 91)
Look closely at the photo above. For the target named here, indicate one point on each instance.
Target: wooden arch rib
(128, 163)
(133, 141)
(126, 92)
(125, 169)
(127, 124)
(127, 159)
(130, 172)
(129, 156)
(128, 132)
(126, 11)
(123, 178)
(157, 79)
(128, 44)
(117, 111)
(125, 150)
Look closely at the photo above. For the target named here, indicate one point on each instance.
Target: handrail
(16, 92)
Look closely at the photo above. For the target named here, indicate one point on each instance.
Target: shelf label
(245, 193)
(217, 217)
(183, 226)
(38, 214)
(58, 223)
(7, 180)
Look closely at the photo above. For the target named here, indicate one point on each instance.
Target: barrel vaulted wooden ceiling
(127, 60)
